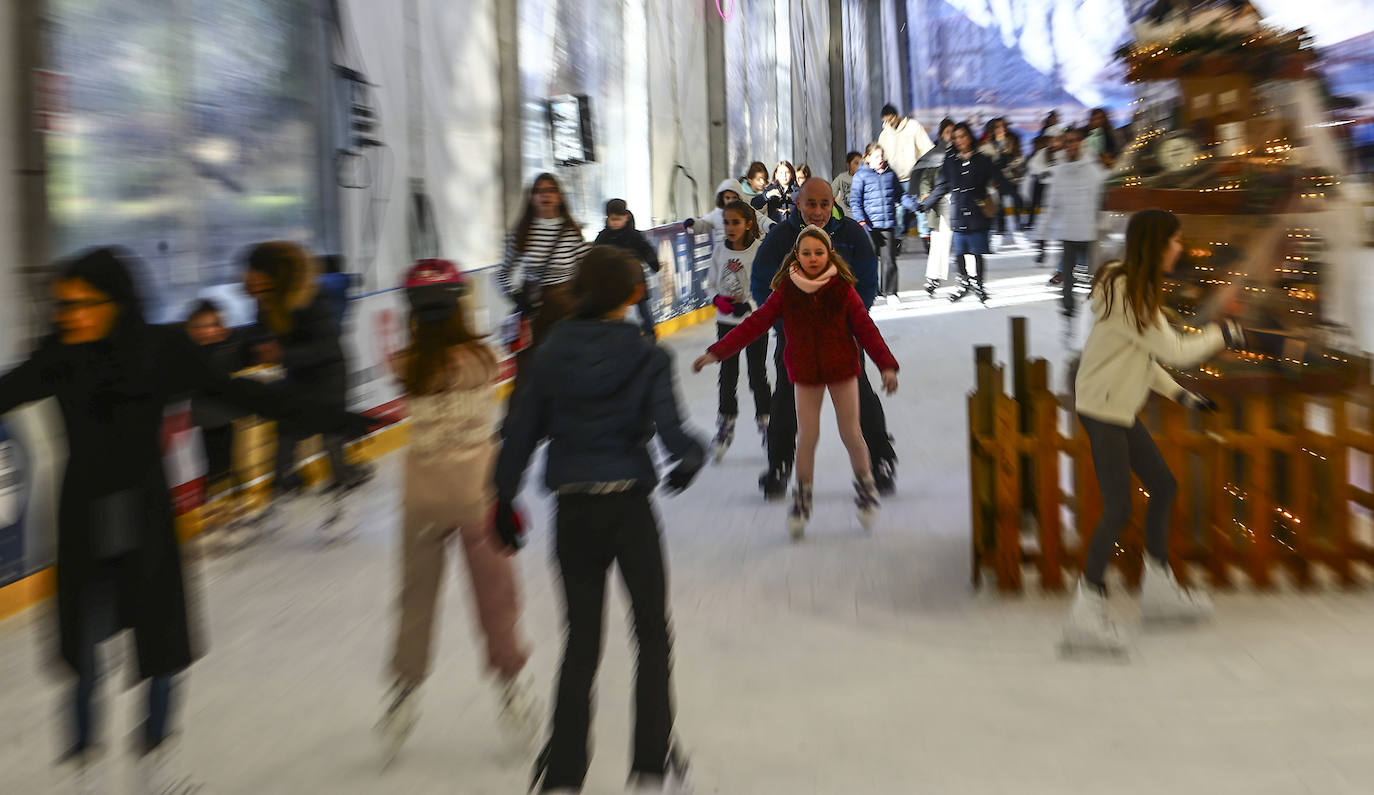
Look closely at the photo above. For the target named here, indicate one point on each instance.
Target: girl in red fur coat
(822, 317)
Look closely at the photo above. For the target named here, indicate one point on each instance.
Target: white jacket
(1074, 199)
(708, 223)
(904, 146)
(1121, 365)
(729, 276)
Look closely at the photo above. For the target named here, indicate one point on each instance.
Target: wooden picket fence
(1271, 484)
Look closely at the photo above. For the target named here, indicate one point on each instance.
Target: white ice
(844, 664)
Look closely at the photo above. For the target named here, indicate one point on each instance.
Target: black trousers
(219, 454)
(1117, 452)
(884, 241)
(1075, 252)
(595, 532)
(782, 423)
(756, 356)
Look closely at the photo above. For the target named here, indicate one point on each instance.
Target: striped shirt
(552, 251)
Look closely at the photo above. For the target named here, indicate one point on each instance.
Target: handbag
(988, 206)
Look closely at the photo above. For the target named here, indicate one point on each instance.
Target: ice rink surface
(841, 665)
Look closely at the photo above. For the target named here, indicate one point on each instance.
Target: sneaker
(1087, 628)
(1163, 599)
(725, 434)
(866, 501)
(774, 482)
(885, 476)
(520, 711)
(159, 772)
(800, 512)
(84, 773)
(398, 720)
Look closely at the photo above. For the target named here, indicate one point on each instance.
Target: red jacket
(821, 330)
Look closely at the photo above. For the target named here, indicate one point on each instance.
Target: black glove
(522, 304)
(689, 223)
(682, 475)
(510, 526)
(741, 308)
(1202, 403)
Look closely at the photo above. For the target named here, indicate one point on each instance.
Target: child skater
(598, 392)
(732, 262)
(822, 317)
(449, 377)
(1120, 367)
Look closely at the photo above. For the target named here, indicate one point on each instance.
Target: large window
(188, 132)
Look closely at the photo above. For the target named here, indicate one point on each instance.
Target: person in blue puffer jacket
(871, 200)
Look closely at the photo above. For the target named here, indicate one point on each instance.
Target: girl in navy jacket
(872, 201)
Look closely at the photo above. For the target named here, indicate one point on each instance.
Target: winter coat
(966, 182)
(850, 240)
(1071, 212)
(312, 352)
(632, 240)
(1120, 365)
(904, 145)
(227, 358)
(1007, 157)
(821, 329)
(115, 523)
(872, 196)
(780, 203)
(598, 391)
(922, 183)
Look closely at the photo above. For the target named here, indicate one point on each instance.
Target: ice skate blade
(1167, 622)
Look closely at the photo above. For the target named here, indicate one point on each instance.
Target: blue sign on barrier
(14, 494)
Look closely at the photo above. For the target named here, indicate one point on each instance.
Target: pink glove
(725, 305)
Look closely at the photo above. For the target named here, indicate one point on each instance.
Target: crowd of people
(797, 255)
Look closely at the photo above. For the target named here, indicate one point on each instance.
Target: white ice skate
(1162, 599)
(1088, 629)
(866, 501)
(676, 779)
(86, 773)
(521, 713)
(160, 772)
(800, 513)
(398, 721)
(725, 434)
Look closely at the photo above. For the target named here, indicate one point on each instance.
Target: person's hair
(427, 364)
(1147, 236)
(792, 172)
(292, 271)
(204, 307)
(888, 110)
(605, 280)
(757, 167)
(751, 221)
(868, 150)
(1108, 130)
(720, 195)
(804, 170)
(1078, 131)
(945, 123)
(990, 129)
(111, 270)
(963, 125)
(849, 158)
(523, 226)
(789, 262)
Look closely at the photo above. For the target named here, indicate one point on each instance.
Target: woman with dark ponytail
(118, 566)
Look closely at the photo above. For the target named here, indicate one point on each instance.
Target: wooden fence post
(1045, 424)
(1338, 469)
(1299, 471)
(1221, 506)
(1259, 490)
(1173, 434)
(1008, 495)
(1022, 390)
(981, 411)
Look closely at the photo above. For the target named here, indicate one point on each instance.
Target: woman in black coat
(298, 329)
(964, 177)
(118, 565)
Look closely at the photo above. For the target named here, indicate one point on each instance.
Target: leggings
(1117, 452)
(845, 394)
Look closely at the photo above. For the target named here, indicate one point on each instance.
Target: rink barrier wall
(679, 301)
(1273, 489)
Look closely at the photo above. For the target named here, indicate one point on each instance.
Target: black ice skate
(885, 476)
(762, 422)
(774, 482)
(931, 286)
(965, 287)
